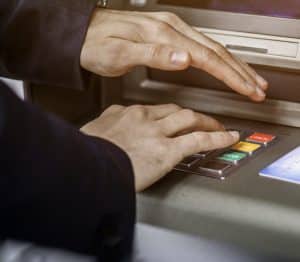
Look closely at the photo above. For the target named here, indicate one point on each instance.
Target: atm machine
(233, 204)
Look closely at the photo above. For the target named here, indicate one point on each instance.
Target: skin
(118, 41)
(156, 138)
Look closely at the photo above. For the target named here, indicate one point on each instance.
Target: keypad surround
(222, 163)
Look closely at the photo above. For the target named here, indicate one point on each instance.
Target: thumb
(161, 57)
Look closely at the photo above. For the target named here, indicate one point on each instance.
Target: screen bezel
(223, 20)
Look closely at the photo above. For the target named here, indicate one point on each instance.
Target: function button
(188, 161)
(215, 167)
(246, 147)
(261, 138)
(204, 154)
(233, 157)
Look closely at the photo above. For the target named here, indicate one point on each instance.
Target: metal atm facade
(245, 209)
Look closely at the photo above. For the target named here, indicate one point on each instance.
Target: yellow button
(246, 147)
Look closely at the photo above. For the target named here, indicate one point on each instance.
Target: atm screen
(277, 8)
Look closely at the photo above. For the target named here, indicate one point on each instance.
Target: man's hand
(156, 138)
(117, 41)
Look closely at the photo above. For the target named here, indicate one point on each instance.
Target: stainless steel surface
(245, 209)
(247, 48)
(226, 20)
(210, 101)
(162, 245)
(281, 52)
(172, 246)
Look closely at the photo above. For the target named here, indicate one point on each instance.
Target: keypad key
(204, 154)
(261, 138)
(215, 167)
(188, 161)
(246, 147)
(232, 157)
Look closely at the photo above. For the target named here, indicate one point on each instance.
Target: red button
(261, 138)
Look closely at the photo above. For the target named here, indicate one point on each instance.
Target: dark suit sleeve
(41, 40)
(61, 188)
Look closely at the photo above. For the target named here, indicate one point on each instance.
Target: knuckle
(207, 55)
(169, 17)
(137, 111)
(138, 31)
(208, 141)
(114, 108)
(221, 137)
(161, 27)
(174, 107)
(190, 115)
(202, 136)
(221, 51)
(203, 140)
(155, 51)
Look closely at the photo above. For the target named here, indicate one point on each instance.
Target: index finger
(206, 59)
(178, 24)
(209, 61)
(196, 142)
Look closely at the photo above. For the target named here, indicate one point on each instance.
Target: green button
(232, 156)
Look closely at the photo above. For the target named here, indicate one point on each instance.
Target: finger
(195, 142)
(157, 112)
(250, 81)
(187, 120)
(262, 82)
(113, 110)
(178, 24)
(160, 56)
(210, 62)
(159, 34)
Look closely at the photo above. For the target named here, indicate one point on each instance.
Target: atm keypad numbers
(221, 163)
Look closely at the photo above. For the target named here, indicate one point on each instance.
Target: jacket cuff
(122, 184)
(73, 191)
(42, 41)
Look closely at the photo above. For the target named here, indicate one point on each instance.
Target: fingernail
(179, 58)
(235, 135)
(261, 81)
(260, 92)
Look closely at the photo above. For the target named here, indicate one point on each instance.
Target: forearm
(59, 187)
(41, 40)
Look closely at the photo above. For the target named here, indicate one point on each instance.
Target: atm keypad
(261, 138)
(189, 161)
(246, 147)
(221, 163)
(204, 154)
(233, 157)
(216, 167)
